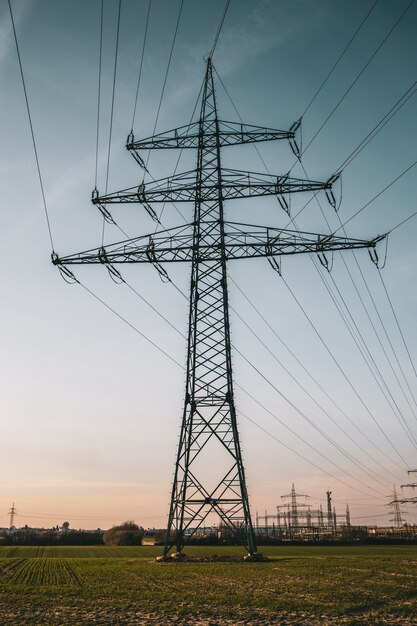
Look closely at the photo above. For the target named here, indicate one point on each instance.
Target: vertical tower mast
(209, 411)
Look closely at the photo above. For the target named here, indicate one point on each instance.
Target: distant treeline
(29, 537)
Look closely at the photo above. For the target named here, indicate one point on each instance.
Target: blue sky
(90, 411)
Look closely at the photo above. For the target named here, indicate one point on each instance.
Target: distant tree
(126, 534)
(65, 527)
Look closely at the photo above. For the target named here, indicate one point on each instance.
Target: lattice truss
(209, 429)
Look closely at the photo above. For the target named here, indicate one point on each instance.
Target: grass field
(299, 585)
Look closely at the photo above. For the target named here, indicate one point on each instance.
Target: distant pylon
(395, 503)
(12, 513)
(293, 506)
(409, 499)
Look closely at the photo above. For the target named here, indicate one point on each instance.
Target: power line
(383, 467)
(123, 319)
(284, 397)
(216, 38)
(175, 328)
(112, 107)
(299, 437)
(258, 152)
(31, 127)
(99, 89)
(398, 413)
(165, 81)
(301, 456)
(141, 63)
(406, 219)
(344, 374)
(404, 423)
(340, 57)
(384, 330)
(409, 93)
(397, 322)
(358, 76)
(403, 173)
(162, 351)
(112, 112)
(309, 421)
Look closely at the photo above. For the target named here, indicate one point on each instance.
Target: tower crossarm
(227, 134)
(241, 241)
(235, 184)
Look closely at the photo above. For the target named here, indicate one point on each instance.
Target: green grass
(99, 584)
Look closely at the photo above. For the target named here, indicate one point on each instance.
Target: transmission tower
(396, 509)
(293, 506)
(12, 513)
(209, 428)
(409, 499)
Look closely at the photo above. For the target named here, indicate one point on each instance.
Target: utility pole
(203, 486)
(12, 513)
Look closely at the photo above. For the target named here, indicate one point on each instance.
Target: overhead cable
(216, 38)
(359, 75)
(342, 411)
(165, 81)
(403, 173)
(31, 127)
(141, 64)
(292, 220)
(332, 476)
(112, 110)
(303, 415)
(344, 375)
(397, 323)
(99, 89)
(342, 54)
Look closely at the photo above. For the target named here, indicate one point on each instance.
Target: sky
(90, 410)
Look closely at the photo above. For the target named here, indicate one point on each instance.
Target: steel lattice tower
(209, 428)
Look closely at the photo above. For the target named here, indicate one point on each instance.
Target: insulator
(329, 192)
(151, 212)
(292, 140)
(114, 274)
(374, 255)
(67, 275)
(276, 265)
(324, 260)
(106, 214)
(284, 204)
(130, 138)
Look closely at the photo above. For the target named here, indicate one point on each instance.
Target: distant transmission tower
(293, 506)
(409, 499)
(12, 513)
(209, 474)
(396, 509)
